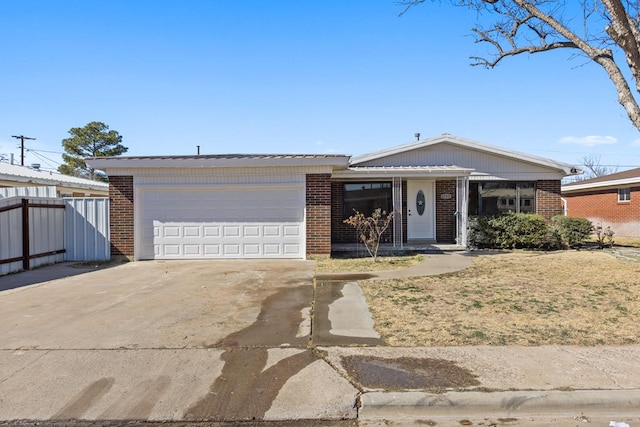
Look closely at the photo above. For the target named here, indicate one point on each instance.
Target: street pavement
(239, 342)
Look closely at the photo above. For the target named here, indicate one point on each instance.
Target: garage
(221, 222)
(251, 206)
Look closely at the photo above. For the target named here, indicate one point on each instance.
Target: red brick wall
(602, 207)
(319, 214)
(340, 232)
(445, 209)
(548, 200)
(121, 216)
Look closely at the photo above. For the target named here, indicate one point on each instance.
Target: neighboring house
(609, 201)
(66, 186)
(291, 206)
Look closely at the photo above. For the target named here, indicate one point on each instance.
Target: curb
(403, 405)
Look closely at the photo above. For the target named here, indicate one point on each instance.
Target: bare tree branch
(535, 26)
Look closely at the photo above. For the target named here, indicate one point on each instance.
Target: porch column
(397, 212)
(462, 209)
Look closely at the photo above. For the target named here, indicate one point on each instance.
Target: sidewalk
(511, 382)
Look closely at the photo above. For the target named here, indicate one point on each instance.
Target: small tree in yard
(370, 229)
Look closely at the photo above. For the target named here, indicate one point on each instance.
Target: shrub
(509, 231)
(480, 233)
(519, 230)
(604, 236)
(570, 232)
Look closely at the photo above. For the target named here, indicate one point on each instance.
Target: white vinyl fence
(36, 231)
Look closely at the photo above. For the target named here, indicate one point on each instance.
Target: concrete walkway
(433, 265)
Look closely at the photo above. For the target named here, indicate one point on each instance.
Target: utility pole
(21, 138)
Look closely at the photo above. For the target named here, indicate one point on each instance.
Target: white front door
(421, 210)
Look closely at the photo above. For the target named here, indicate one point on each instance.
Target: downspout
(565, 206)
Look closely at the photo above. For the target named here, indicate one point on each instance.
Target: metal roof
(17, 173)
(219, 160)
(224, 157)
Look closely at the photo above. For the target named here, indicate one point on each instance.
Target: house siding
(548, 198)
(492, 166)
(603, 208)
(121, 216)
(318, 214)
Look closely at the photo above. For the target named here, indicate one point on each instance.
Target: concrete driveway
(179, 340)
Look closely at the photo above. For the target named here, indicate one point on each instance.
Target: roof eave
(373, 173)
(106, 163)
(601, 185)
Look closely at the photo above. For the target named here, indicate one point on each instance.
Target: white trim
(603, 184)
(424, 172)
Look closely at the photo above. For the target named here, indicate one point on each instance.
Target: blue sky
(323, 76)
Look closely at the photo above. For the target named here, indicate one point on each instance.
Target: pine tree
(93, 140)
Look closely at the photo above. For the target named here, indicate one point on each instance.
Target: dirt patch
(407, 373)
(514, 298)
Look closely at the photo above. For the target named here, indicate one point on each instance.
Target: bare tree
(370, 228)
(593, 167)
(602, 28)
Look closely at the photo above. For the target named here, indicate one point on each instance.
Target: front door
(421, 210)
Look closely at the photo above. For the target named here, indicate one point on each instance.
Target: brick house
(610, 201)
(291, 206)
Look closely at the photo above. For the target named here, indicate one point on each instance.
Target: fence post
(25, 234)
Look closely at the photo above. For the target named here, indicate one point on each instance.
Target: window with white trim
(624, 194)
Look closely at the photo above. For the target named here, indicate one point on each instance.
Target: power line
(44, 151)
(45, 159)
(22, 138)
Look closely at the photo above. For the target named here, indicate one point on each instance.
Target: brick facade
(445, 210)
(121, 216)
(548, 199)
(603, 208)
(318, 204)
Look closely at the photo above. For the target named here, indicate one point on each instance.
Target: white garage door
(220, 222)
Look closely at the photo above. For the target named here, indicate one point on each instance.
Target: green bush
(570, 232)
(519, 230)
(509, 231)
(480, 235)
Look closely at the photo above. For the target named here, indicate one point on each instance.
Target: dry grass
(519, 298)
(333, 265)
(626, 241)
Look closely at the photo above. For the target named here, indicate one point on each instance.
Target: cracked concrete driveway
(179, 340)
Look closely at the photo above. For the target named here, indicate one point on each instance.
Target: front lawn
(514, 298)
(364, 264)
